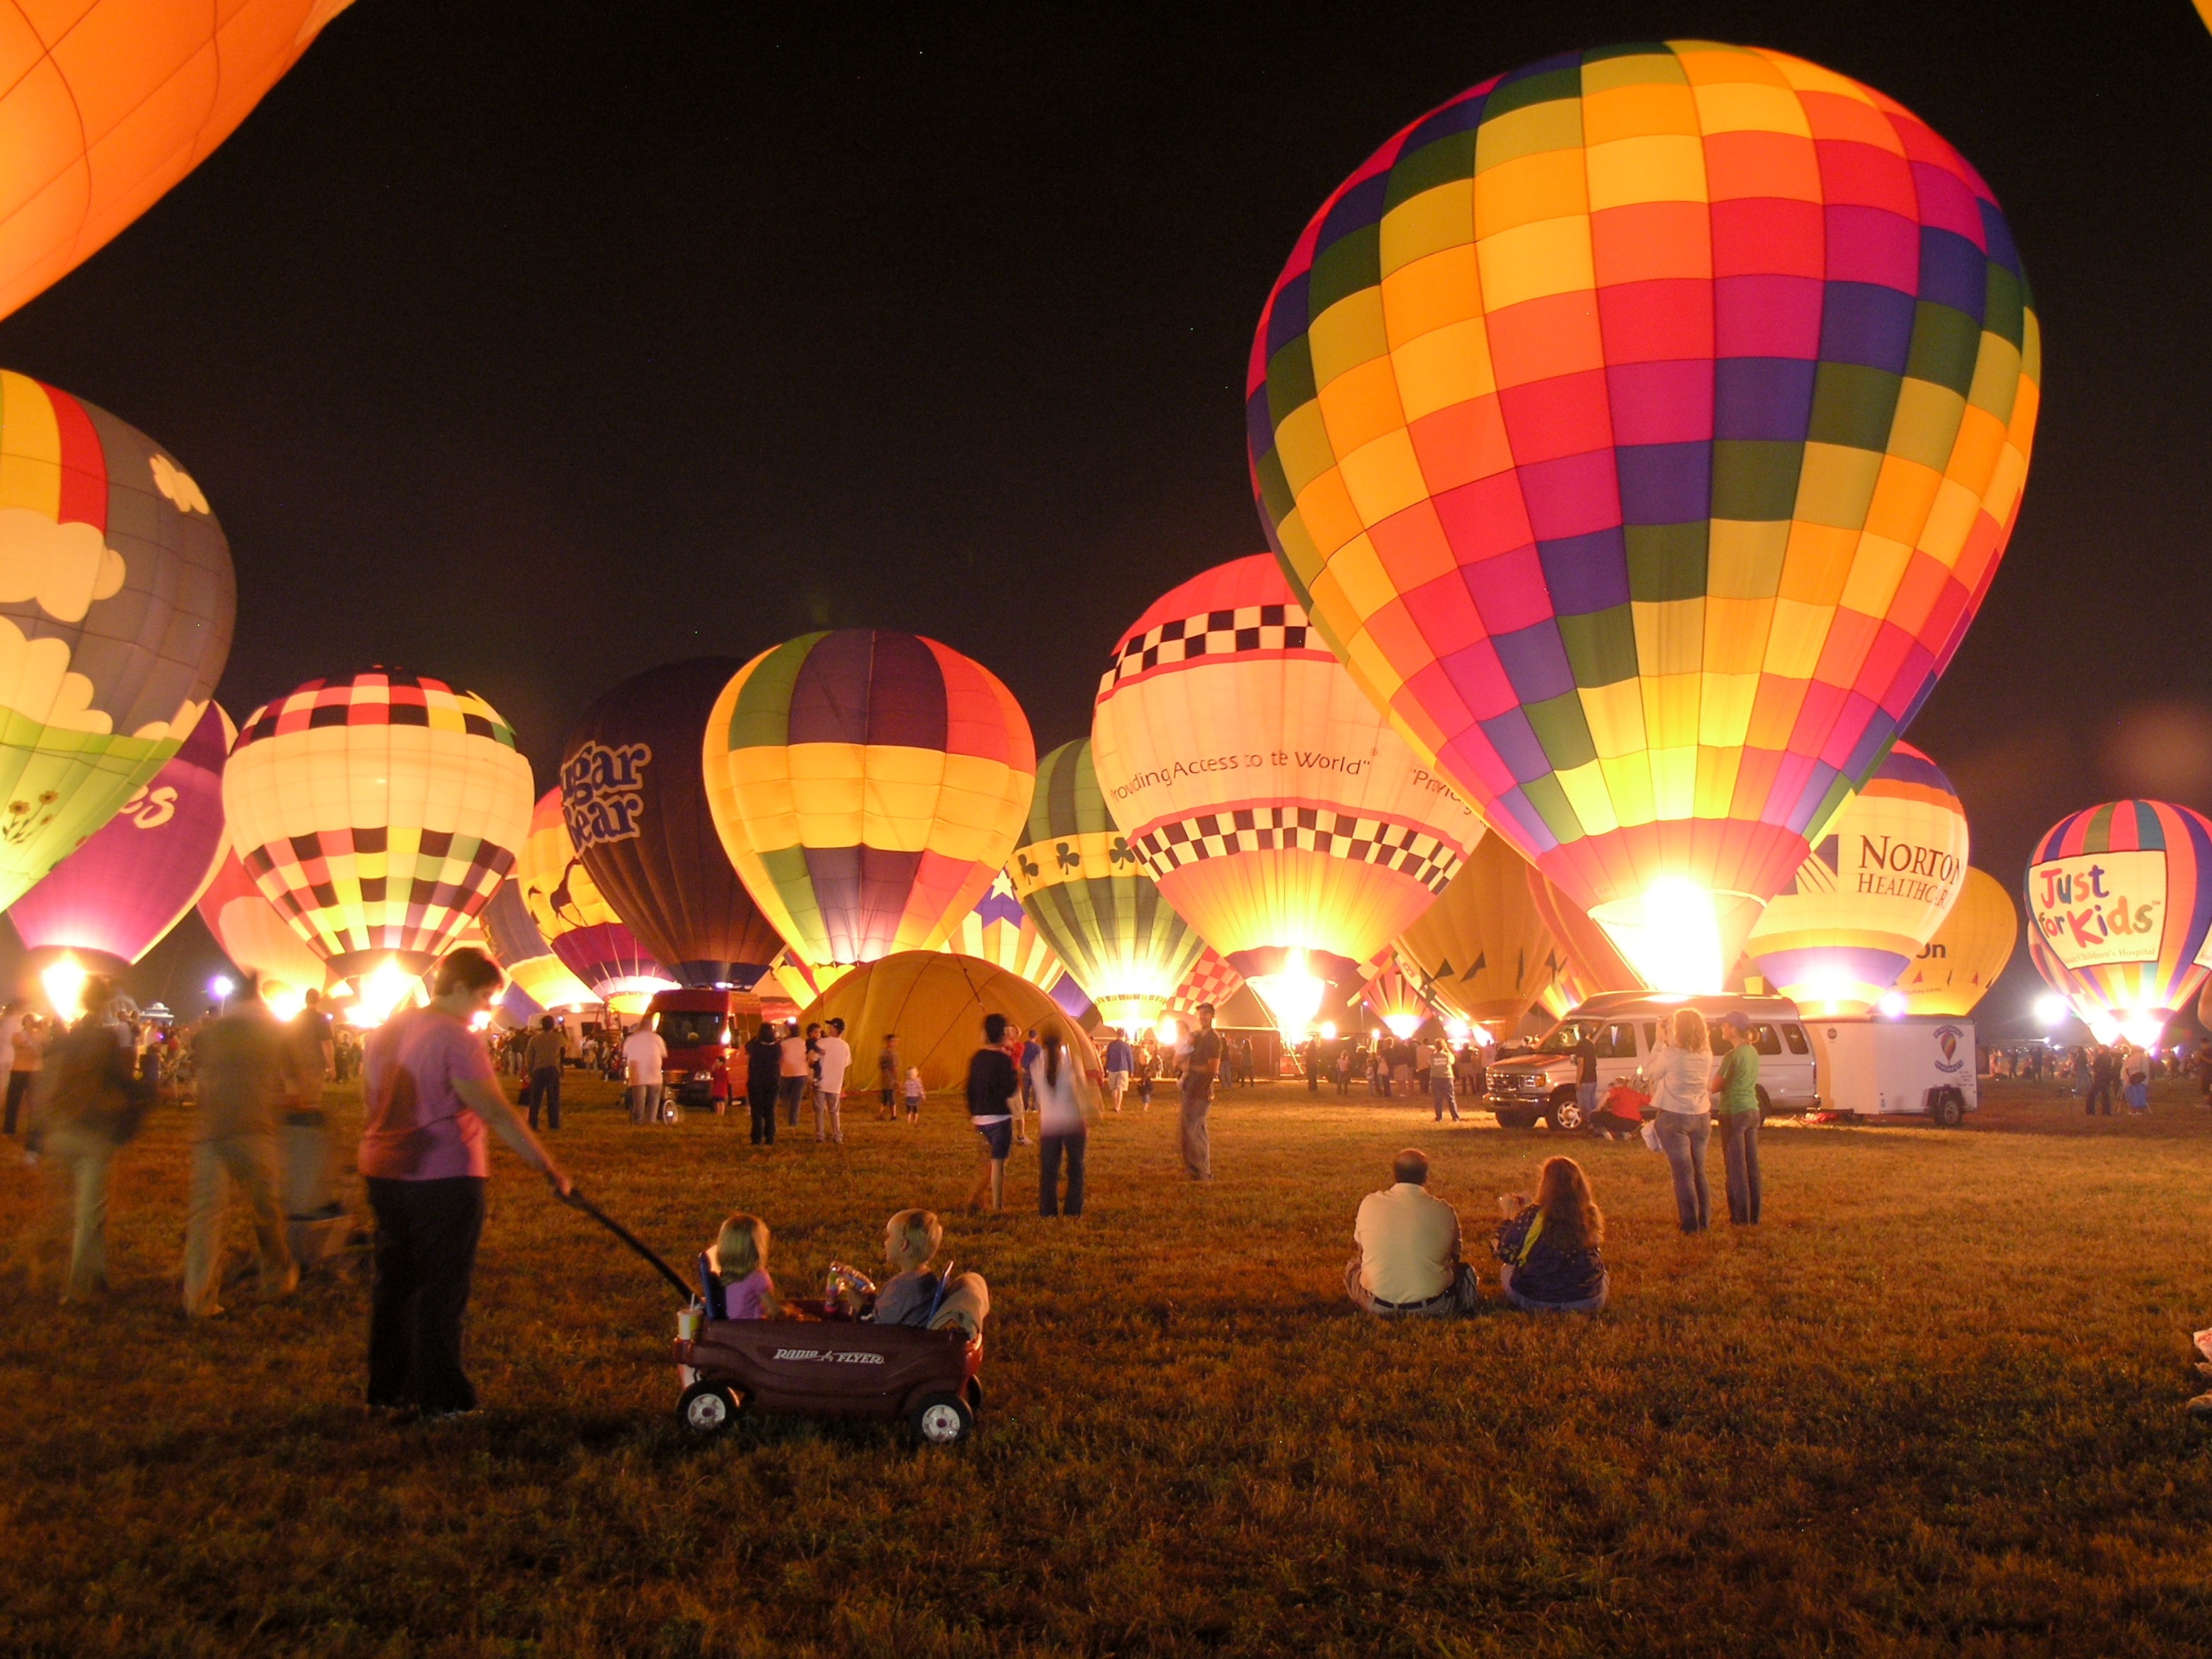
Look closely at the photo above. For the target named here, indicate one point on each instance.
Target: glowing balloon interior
(1643, 428)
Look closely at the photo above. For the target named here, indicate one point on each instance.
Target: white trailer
(1881, 1069)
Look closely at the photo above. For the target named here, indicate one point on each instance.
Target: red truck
(702, 1028)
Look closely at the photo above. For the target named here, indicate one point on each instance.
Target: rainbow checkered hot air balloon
(1643, 428)
(1092, 899)
(2120, 911)
(378, 814)
(1871, 894)
(868, 785)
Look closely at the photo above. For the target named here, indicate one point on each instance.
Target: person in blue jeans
(1683, 1071)
(1735, 1097)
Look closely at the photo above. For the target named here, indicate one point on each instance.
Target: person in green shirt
(1735, 1103)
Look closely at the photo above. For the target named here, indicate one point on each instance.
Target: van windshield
(1562, 1041)
(683, 1028)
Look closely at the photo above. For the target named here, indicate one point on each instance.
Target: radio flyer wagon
(826, 1363)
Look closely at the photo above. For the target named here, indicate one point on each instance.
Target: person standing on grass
(541, 1063)
(85, 1108)
(994, 1092)
(1735, 1100)
(248, 1062)
(1148, 1068)
(429, 1091)
(1407, 1264)
(11, 1027)
(1586, 1072)
(833, 1059)
(1683, 1073)
(793, 1074)
(644, 1052)
(763, 1071)
(1120, 1062)
(25, 1059)
(1023, 1060)
(887, 1077)
(1197, 1075)
(1444, 1094)
(1064, 1113)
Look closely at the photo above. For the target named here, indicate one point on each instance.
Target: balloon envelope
(868, 786)
(378, 813)
(1957, 967)
(1281, 817)
(1093, 900)
(1877, 886)
(936, 1003)
(1482, 949)
(997, 930)
(576, 921)
(116, 605)
(110, 102)
(125, 888)
(1643, 428)
(253, 931)
(635, 799)
(2119, 907)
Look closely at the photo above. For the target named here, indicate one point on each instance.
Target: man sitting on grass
(1408, 1264)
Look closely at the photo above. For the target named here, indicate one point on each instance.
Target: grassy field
(1932, 1406)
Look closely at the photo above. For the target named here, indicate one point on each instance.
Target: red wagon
(823, 1363)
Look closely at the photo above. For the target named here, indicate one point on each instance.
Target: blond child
(910, 1239)
(913, 1092)
(740, 1256)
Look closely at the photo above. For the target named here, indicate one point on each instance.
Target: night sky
(529, 353)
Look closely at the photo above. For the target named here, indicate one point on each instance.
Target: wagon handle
(576, 1200)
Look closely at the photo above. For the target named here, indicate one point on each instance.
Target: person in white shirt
(833, 1059)
(643, 1051)
(794, 1074)
(1408, 1264)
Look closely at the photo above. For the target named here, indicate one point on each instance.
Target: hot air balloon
(1878, 885)
(997, 930)
(1592, 961)
(519, 947)
(636, 805)
(110, 102)
(1280, 815)
(1395, 997)
(1956, 968)
(252, 933)
(868, 787)
(1643, 428)
(1482, 950)
(2119, 907)
(936, 1003)
(379, 814)
(118, 895)
(1091, 897)
(580, 925)
(116, 602)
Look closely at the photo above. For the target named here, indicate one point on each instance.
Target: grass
(1932, 1406)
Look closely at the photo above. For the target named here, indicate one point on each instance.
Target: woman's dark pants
(1740, 1148)
(762, 1102)
(1049, 1148)
(426, 1251)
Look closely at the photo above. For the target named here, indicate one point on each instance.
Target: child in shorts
(740, 1260)
(913, 1094)
(910, 1239)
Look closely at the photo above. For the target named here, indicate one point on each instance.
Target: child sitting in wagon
(910, 1296)
(740, 1264)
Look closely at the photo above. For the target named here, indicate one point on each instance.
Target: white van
(1624, 1026)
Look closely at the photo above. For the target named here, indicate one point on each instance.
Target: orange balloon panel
(1262, 790)
(1957, 967)
(110, 102)
(1592, 962)
(1483, 948)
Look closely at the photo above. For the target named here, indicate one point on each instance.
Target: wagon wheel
(975, 1395)
(942, 1419)
(708, 1409)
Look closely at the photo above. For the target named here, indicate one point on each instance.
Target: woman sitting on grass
(741, 1269)
(1549, 1250)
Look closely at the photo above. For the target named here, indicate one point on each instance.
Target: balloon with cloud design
(116, 605)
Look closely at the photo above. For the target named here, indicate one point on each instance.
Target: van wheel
(707, 1409)
(1766, 1106)
(942, 1419)
(1566, 1112)
(1947, 1110)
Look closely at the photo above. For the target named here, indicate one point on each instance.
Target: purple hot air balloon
(132, 880)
